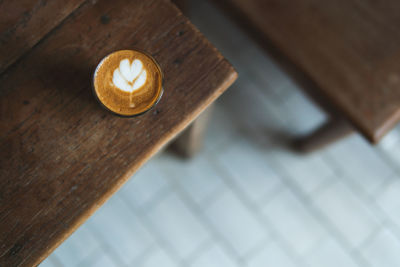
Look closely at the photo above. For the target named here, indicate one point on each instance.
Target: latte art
(129, 77)
(128, 82)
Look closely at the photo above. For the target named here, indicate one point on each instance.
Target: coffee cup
(128, 82)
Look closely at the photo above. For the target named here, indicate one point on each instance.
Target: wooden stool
(61, 155)
(347, 50)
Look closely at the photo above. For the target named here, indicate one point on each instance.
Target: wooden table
(61, 155)
(347, 50)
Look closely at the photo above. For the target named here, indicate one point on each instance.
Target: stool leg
(190, 141)
(332, 130)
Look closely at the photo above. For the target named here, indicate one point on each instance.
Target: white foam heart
(129, 77)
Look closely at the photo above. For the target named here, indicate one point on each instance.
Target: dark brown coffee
(128, 82)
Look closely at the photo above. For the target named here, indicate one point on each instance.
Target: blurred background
(246, 200)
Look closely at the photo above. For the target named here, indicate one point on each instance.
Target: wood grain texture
(348, 48)
(61, 154)
(24, 22)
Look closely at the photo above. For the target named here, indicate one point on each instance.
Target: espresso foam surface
(128, 82)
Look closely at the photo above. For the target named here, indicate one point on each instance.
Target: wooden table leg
(332, 130)
(190, 141)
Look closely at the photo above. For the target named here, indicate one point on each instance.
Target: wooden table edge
(384, 128)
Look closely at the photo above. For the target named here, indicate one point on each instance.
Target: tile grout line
(355, 189)
(267, 225)
(335, 166)
(200, 216)
(279, 188)
(369, 238)
(159, 195)
(105, 246)
(153, 231)
(201, 249)
(387, 159)
(138, 261)
(323, 220)
(93, 254)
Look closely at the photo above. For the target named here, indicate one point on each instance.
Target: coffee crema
(128, 82)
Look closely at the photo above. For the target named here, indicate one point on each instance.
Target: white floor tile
(266, 73)
(49, 262)
(215, 256)
(383, 250)
(249, 169)
(222, 128)
(144, 185)
(272, 255)
(349, 214)
(309, 172)
(229, 216)
(77, 247)
(117, 226)
(391, 140)
(360, 163)
(330, 254)
(198, 178)
(251, 110)
(389, 200)
(103, 260)
(390, 145)
(303, 115)
(176, 223)
(159, 259)
(294, 222)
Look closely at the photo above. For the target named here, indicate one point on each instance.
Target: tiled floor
(246, 200)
